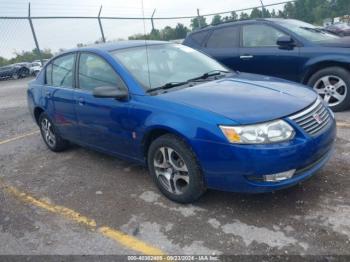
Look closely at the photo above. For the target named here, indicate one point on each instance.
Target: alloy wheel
(48, 132)
(332, 89)
(171, 170)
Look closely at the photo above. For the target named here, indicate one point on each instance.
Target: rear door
(58, 95)
(223, 45)
(260, 54)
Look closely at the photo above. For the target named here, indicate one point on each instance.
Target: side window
(260, 36)
(226, 37)
(95, 72)
(199, 37)
(62, 71)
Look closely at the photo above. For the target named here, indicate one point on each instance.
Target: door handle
(81, 101)
(246, 57)
(48, 94)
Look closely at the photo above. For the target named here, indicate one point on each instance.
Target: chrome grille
(313, 119)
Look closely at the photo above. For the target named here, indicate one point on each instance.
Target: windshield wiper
(208, 74)
(175, 84)
(315, 30)
(167, 86)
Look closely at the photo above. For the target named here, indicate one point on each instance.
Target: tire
(333, 85)
(15, 76)
(175, 169)
(24, 72)
(50, 135)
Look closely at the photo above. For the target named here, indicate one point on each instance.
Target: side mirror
(286, 42)
(110, 92)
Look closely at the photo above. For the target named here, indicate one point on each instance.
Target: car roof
(239, 22)
(111, 46)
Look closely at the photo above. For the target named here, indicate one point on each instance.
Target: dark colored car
(284, 48)
(14, 71)
(340, 29)
(190, 120)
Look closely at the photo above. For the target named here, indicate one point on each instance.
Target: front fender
(325, 60)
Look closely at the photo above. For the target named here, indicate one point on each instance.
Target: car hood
(246, 98)
(343, 42)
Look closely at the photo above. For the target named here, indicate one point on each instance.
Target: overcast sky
(15, 35)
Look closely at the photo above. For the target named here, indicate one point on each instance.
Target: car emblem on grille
(318, 118)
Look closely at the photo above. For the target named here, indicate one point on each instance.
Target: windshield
(308, 31)
(167, 63)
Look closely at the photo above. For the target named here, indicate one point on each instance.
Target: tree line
(26, 56)
(311, 11)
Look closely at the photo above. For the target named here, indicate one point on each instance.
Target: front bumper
(237, 168)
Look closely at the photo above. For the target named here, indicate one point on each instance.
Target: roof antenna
(146, 46)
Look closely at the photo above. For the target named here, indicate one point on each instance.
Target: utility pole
(263, 8)
(154, 11)
(100, 24)
(199, 19)
(34, 35)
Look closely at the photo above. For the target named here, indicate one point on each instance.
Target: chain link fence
(29, 38)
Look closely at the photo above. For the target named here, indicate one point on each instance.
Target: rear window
(227, 37)
(60, 72)
(199, 37)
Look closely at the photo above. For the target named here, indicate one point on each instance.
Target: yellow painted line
(121, 238)
(343, 124)
(66, 212)
(130, 241)
(18, 137)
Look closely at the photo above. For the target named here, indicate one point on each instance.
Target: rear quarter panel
(34, 95)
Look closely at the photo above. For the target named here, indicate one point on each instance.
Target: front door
(102, 121)
(260, 54)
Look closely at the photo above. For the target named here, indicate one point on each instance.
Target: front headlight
(266, 133)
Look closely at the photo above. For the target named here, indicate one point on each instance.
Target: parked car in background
(194, 123)
(340, 29)
(284, 48)
(35, 68)
(39, 61)
(14, 71)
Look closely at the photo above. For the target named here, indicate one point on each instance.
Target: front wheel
(15, 76)
(333, 84)
(23, 73)
(175, 169)
(50, 135)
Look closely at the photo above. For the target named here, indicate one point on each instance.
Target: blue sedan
(284, 48)
(193, 123)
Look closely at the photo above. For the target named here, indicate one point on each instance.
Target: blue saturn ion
(194, 123)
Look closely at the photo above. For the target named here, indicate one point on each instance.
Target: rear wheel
(50, 135)
(175, 169)
(333, 84)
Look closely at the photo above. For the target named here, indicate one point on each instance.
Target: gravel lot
(311, 219)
